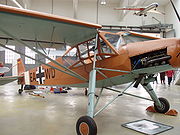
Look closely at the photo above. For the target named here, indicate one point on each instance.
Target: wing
(8, 79)
(135, 9)
(32, 25)
(157, 12)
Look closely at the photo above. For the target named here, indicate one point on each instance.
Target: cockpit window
(83, 53)
(130, 38)
(104, 48)
(113, 39)
(71, 57)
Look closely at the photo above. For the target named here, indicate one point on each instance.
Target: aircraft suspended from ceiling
(139, 11)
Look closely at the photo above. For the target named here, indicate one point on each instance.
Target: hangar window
(30, 53)
(50, 53)
(9, 55)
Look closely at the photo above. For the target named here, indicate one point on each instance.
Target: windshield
(83, 53)
(131, 38)
(115, 40)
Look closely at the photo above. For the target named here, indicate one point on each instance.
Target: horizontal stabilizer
(8, 79)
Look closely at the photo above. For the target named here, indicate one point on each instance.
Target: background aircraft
(143, 11)
(96, 59)
(8, 79)
(4, 69)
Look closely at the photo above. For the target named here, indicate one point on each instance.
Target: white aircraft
(6, 79)
(143, 10)
(4, 69)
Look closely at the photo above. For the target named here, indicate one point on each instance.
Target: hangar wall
(171, 16)
(87, 11)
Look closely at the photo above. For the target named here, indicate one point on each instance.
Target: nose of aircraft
(156, 4)
(174, 51)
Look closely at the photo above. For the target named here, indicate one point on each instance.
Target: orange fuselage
(121, 61)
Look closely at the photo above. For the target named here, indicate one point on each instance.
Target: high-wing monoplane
(152, 8)
(96, 59)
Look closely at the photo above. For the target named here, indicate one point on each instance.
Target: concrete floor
(56, 114)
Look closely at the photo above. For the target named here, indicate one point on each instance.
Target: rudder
(20, 67)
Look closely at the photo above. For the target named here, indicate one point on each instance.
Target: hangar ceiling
(25, 3)
(119, 3)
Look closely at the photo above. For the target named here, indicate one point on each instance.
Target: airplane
(4, 69)
(96, 59)
(143, 10)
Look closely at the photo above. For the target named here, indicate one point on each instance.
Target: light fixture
(103, 2)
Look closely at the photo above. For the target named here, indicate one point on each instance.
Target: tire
(86, 92)
(165, 106)
(20, 91)
(86, 126)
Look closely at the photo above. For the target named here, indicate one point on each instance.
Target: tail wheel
(164, 106)
(86, 126)
(20, 91)
(86, 92)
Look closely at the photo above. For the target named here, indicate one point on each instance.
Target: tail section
(20, 67)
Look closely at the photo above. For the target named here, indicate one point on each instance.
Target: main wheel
(86, 126)
(164, 106)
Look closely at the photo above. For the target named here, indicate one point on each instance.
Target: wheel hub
(162, 106)
(84, 128)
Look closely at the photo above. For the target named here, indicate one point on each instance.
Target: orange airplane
(96, 59)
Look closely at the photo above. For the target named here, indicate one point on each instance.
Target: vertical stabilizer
(20, 67)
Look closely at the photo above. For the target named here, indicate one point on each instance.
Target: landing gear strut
(21, 89)
(85, 124)
(161, 105)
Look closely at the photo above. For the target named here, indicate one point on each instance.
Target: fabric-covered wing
(8, 79)
(32, 25)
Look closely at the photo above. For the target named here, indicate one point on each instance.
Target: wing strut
(55, 62)
(39, 61)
